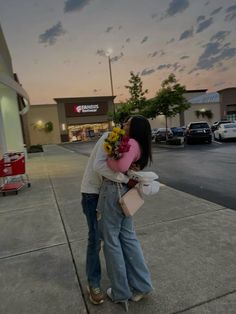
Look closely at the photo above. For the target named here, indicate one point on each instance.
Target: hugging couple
(126, 267)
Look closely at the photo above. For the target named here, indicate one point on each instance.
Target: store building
(221, 105)
(14, 103)
(228, 103)
(85, 118)
(73, 119)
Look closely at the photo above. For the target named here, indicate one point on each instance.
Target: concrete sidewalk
(189, 245)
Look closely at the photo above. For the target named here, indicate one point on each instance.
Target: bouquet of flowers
(116, 143)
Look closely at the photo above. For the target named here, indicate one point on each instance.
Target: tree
(169, 100)
(137, 101)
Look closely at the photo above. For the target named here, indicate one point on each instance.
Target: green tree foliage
(169, 100)
(137, 101)
(48, 127)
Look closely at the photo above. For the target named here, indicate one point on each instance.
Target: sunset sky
(58, 46)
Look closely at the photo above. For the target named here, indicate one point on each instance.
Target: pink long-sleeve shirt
(123, 164)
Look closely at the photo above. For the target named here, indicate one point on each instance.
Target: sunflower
(113, 137)
(107, 147)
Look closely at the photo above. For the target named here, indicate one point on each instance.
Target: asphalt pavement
(189, 244)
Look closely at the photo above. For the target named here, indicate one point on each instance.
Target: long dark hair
(140, 130)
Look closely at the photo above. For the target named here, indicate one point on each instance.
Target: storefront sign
(86, 108)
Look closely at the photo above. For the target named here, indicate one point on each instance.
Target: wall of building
(11, 138)
(159, 122)
(5, 57)
(190, 115)
(37, 116)
(228, 101)
(11, 120)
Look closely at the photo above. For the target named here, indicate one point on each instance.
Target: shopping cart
(12, 172)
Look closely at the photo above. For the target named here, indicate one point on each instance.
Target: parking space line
(217, 142)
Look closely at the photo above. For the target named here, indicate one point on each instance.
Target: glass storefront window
(85, 132)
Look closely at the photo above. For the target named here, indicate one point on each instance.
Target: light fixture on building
(39, 125)
(63, 127)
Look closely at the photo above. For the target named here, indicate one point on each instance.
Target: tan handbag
(131, 201)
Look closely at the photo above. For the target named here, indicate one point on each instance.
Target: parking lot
(204, 170)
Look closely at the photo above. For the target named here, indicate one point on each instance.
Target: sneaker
(96, 296)
(136, 297)
(125, 303)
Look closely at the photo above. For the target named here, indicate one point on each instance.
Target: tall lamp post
(108, 54)
(109, 62)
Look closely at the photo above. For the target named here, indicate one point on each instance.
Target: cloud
(207, 3)
(184, 57)
(120, 27)
(109, 29)
(200, 18)
(213, 54)
(154, 54)
(154, 15)
(75, 5)
(230, 13)
(216, 11)
(116, 58)
(170, 41)
(176, 66)
(51, 35)
(182, 68)
(186, 34)
(144, 39)
(101, 53)
(162, 53)
(163, 66)
(204, 25)
(220, 36)
(147, 71)
(177, 6)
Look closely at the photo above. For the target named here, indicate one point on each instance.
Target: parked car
(161, 134)
(177, 131)
(217, 123)
(225, 130)
(198, 131)
(154, 132)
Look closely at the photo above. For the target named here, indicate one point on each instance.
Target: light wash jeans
(93, 266)
(126, 267)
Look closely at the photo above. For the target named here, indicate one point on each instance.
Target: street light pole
(111, 81)
(109, 62)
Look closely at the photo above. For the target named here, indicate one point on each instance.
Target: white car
(225, 130)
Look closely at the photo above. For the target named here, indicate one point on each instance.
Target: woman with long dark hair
(126, 266)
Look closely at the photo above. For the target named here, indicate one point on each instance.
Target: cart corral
(12, 173)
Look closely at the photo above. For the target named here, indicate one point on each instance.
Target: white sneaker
(136, 297)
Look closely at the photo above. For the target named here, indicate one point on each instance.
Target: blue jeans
(126, 266)
(93, 266)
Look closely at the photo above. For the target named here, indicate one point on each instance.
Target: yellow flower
(113, 137)
(122, 132)
(107, 147)
(116, 130)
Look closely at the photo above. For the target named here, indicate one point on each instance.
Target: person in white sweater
(95, 170)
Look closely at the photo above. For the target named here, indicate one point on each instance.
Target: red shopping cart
(12, 172)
